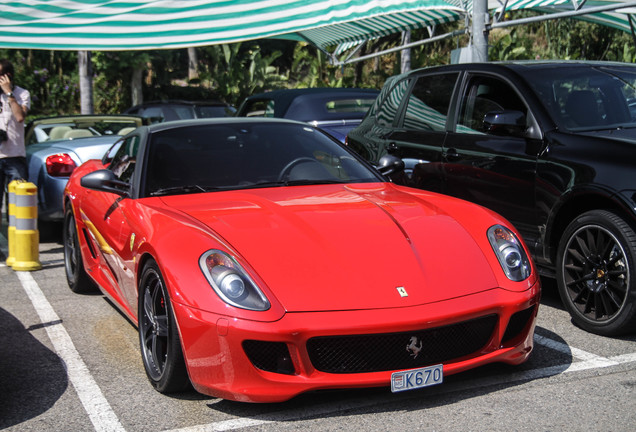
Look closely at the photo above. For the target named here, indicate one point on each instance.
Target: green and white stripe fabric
(618, 19)
(148, 24)
(101, 25)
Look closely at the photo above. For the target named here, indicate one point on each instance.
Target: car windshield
(240, 155)
(74, 128)
(587, 98)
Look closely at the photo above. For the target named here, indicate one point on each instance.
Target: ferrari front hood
(335, 247)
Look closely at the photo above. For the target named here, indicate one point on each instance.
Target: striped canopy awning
(619, 18)
(101, 25)
(148, 24)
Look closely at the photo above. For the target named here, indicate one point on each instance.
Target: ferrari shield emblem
(402, 292)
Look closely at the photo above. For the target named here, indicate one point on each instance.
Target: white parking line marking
(588, 361)
(624, 358)
(97, 407)
(104, 418)
(227, 425)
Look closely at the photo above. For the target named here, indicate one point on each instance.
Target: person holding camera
(14, 104)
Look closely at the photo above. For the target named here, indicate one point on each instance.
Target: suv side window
(428, 104)
(483, 95)
(386, 114)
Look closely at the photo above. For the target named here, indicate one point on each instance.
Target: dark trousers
(13, 168)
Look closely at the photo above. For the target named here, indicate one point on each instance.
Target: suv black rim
(596, 273)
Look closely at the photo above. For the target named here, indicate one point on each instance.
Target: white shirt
(14, 145)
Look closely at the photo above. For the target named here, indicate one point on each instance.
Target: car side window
(485, 94)
(386, 114)
(428, 104)
(123, 163)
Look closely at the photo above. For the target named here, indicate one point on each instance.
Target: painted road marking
(104, 418)
(588, 361)
(97, 407)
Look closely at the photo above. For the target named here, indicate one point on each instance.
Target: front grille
(388, 351)
(269, 356)
(517, 323)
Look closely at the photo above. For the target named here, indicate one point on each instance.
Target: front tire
(78, 280)
(158, 336)
(596, 273)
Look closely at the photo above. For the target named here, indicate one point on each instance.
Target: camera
(3, 135)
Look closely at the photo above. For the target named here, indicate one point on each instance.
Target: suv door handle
(451, 154)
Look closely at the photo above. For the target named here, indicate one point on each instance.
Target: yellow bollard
(11, 227)
(27, 236)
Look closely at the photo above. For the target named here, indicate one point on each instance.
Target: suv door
(489, 166)
(421, 129)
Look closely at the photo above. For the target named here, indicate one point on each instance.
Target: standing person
(14, 104)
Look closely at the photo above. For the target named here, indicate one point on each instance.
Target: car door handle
(391, 147)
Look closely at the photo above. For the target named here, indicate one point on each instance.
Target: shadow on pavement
(32, 377)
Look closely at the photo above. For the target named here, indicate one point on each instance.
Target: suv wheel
(596, 273)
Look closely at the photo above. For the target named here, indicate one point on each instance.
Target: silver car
(55, 146)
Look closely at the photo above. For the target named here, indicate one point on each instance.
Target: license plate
(416, 378)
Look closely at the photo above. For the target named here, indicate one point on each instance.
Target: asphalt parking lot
(71, 362)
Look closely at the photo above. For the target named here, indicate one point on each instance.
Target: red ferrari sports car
(260, 259)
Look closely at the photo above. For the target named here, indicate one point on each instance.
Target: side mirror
(507, 122)
(390, 164)
(104, 180)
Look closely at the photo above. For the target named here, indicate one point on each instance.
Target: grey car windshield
(590, 98)
(247, 155)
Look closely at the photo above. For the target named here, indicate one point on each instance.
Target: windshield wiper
(180, 189)
(267, 184)
(196, 188)
(302, 182)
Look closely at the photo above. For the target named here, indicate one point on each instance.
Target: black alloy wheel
(596, 273)
(76, 275)
(159, 340)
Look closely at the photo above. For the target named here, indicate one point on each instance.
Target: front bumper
(218, 365)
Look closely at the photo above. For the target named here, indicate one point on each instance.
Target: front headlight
(231, 282)
(510, 253)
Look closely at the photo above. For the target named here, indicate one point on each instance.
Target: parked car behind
(170, 110)
(55, 146)
(334, 110)
(549, 145)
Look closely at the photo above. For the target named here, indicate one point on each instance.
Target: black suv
(549, 145)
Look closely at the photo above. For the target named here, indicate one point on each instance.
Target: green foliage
(112, 72)
(510, 47)
(51, 78)
(566, 39)
(238, 70)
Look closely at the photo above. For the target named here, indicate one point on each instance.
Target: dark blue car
(334, 110)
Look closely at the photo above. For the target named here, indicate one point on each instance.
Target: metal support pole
(479, 34)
